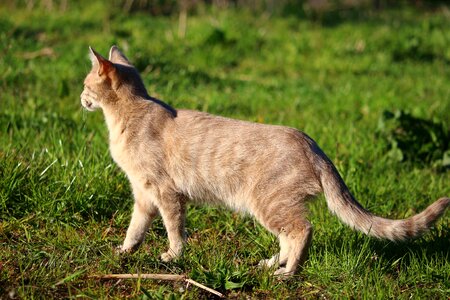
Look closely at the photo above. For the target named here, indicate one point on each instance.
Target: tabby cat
(171, 156)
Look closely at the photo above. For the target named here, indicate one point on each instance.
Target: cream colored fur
(173, 156)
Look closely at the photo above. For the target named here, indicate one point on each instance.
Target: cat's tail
(341, 202)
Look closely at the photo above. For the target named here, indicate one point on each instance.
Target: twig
(169, 277)
(204, 287)
(49, 52)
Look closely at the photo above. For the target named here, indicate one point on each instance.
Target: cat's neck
(129, 112)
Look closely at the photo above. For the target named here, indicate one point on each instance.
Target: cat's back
(229, 142)
(202, 123)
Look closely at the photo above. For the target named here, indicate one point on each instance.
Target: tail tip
(444, 202)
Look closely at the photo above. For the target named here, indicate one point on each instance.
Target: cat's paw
(269, 263)
(283, 273)
(266, 263)
(168, 256)
(121, 250)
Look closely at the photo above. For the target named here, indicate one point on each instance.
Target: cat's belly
(204, 192)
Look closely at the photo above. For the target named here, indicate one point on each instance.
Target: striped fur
(172, 156)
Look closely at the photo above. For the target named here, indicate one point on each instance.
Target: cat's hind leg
(280, 258)
(287, 220)
(297, 241)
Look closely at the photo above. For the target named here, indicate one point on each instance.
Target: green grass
(64, 204)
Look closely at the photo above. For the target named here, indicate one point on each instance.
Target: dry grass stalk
(168, 277)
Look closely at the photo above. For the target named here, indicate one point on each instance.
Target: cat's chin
(90, 108)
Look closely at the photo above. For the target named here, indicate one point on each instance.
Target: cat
(172, 156)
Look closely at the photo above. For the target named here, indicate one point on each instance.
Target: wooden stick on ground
(169, 277)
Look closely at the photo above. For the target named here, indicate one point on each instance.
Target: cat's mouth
(87, 105)
(86, 102)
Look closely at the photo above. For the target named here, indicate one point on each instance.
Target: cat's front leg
(173, 213)
(144, 212)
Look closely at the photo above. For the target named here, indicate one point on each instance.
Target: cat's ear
(104, 66)
(118, 57)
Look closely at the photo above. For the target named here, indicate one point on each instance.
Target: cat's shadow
(394, 254)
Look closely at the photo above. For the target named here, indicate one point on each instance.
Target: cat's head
(110, 80)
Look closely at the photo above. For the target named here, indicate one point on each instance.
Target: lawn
(65, 205)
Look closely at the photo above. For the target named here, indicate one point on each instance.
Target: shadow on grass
(337, 14)
(386, 256)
